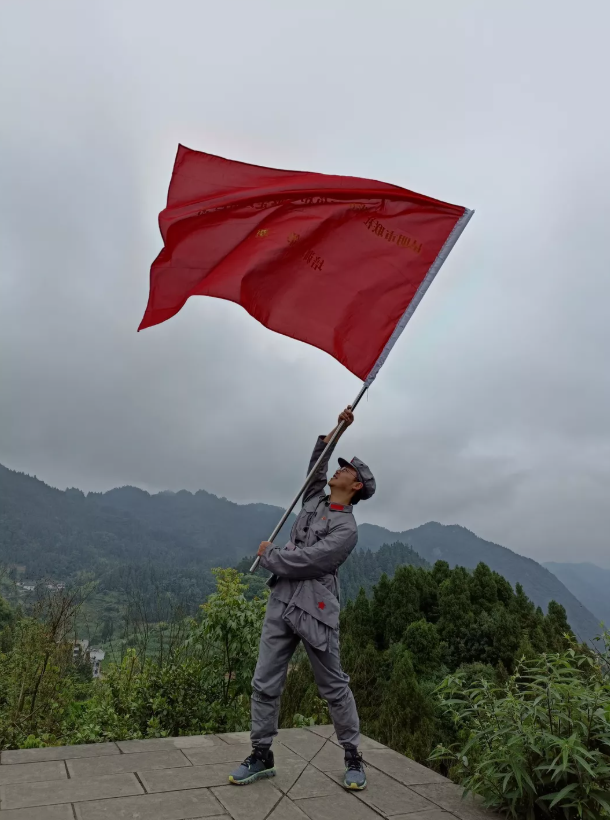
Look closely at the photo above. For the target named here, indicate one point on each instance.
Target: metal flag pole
(338, 429)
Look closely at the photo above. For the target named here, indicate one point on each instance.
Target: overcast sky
(493, 409)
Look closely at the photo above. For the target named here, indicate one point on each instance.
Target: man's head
(353, 479)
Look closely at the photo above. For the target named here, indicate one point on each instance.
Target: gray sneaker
(257, 765)
(354, 777)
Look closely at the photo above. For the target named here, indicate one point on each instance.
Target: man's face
(346, 479)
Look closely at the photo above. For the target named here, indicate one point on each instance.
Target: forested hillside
(460, 547)
(59, 533)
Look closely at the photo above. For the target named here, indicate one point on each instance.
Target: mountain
(459, 546)
(589, 583)
(59, 533)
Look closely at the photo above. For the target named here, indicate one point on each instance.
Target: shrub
(538, 746)
(38, 678)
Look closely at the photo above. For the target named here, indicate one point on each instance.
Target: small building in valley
(94, 655)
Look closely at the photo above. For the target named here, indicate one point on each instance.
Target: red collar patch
(338, 507)
(321, 605)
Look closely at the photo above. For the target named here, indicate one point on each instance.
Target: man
(304, 605)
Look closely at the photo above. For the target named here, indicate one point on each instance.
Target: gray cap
(364, 475)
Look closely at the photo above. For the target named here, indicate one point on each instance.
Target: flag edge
(434, 268)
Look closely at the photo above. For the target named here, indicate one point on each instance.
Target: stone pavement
(186, 778)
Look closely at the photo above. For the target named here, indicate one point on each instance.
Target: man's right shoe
(354, 777)
(257, 765)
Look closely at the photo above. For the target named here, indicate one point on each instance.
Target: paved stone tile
(281, 753)
(330, 758)
(63, 812)
(58, 753)
(343, 806)
(140, 761)
(235, 737)
(30, 772)
(192, 777)
(389, 797)
(151, 744)
(252, 802)
(226, 753)
(313, 783)
(287, 810)
(449, 797)
(156, 744)
(326, 731)
(196, 803)
(50, 792)
(305, 744)
(288, 772)
(196, 741)
(401, 768)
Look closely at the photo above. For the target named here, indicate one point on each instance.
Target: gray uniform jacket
(305, 570)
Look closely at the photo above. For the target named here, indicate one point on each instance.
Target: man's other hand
(264, 545)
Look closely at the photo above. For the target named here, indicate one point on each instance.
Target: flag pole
(335, 435)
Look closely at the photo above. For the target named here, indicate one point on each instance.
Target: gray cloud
(491, 411)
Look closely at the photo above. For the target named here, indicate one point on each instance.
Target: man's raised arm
(318, 482)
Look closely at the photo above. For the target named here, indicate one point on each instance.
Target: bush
(39, 681)
(538, 746)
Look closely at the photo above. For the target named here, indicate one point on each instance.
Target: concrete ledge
(186, 778)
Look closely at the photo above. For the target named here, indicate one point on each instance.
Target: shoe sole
(252, 778)
(354, 786)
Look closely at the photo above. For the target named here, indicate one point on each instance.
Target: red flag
(337, 262)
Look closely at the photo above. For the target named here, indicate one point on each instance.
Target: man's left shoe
(355, 777)
(257, 765)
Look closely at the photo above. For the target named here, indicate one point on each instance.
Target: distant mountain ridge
(587, 582)
(58, 533)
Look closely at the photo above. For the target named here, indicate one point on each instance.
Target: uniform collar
(338, 507)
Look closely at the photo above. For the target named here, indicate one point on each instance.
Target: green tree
(405, 715)
(483, 589)
(423, 642)
(556, 627)
(229, 635)
(381, 610)
(403, 603)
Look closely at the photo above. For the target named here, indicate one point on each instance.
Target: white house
(96, 656)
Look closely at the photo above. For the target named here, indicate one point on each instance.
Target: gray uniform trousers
(277, 646)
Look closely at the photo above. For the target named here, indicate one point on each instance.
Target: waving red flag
(337, 262)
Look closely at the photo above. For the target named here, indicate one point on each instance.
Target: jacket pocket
(317, 532)
(313, 613)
